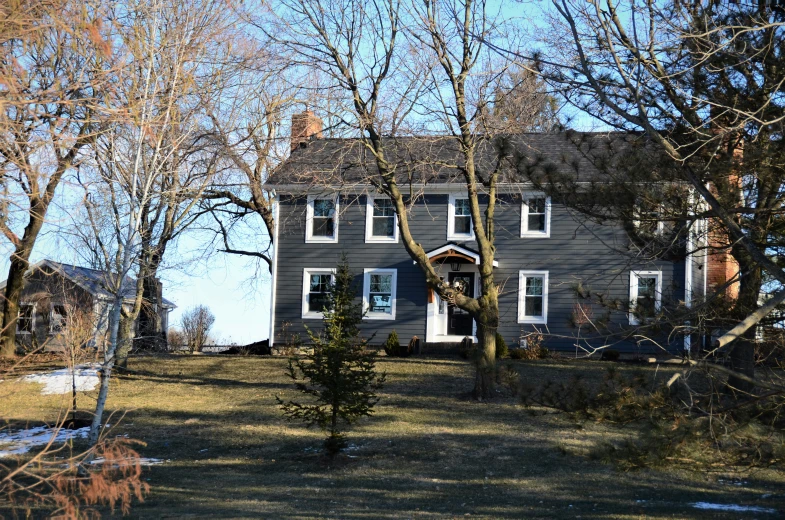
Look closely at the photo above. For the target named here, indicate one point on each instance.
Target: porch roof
(453, 250)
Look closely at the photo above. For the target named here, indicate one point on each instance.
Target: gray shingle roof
(92, 280)
(436, 159)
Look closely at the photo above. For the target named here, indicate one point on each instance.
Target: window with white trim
(648, 217)
(459, 219)
(25, 319)
(645, 295)
(379, 287)
(536, 215)
(57, 319)
(322, 219)
(381, 222)
(533, 297)
(316, 286)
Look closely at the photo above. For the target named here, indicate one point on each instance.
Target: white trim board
(271, 338)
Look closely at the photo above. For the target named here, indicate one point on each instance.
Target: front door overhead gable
(452, 251)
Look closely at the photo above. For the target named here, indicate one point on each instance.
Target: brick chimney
(305, 126)
(721, 264)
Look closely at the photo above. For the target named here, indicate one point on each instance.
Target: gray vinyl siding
(577, 250)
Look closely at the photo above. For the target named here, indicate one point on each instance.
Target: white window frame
(52, 319)
(307, 272)
(543, 320)
(634, 275)
(369, 237)
(32, 318)
(367, 291)
(451, 234)
(525, 233)
(660, 227)
(309, 238)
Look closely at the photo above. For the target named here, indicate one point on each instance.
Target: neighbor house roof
(91, 280)
(437, 160)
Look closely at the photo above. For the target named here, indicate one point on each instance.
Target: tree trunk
(742, 356)
(150, 333)
(487, 322)
(125, 340)
(13, 292)
(742, 360)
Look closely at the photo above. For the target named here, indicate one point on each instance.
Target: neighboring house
(325, 206)
(59, 298)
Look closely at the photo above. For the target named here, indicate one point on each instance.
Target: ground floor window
(645, 295)
(57, 319)
(533, 297)
(24, 321)
(379, 286)
(316, 285)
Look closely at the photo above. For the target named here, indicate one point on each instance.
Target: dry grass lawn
(427, 453)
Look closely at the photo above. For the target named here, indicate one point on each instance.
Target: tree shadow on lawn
(495, 476)
(196, 380)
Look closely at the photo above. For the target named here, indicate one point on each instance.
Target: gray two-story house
(326, 205)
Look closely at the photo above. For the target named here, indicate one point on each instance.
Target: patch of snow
(59, 381)
(732, 507)
(21, 441)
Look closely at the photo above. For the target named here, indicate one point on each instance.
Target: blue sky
(229, 285)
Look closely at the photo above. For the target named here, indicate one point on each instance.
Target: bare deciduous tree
(703, 82)
(196, 323)
(52, 75)
(418, 57)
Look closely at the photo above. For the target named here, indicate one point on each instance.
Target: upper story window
(459, 219)
(381, 222)
(57, 319)
(536, 215)
(379, 293)
(533, 297)
(24, 320)
(322, 219)
(316, 286)
(648, 219)
(645, 295)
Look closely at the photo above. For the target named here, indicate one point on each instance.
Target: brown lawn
(427, 453)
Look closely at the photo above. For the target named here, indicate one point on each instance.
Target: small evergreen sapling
(340, 373)
(392, 346)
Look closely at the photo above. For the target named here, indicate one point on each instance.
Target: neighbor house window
(24, 320)
(459, 219)
(316, 286)
(533, 297)
(379, 293)
(381, 223)
(57, 319)
(536, 215)
(645, 295)
(322, 219)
